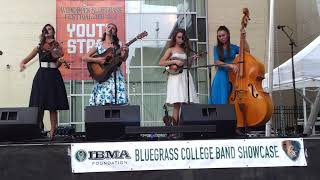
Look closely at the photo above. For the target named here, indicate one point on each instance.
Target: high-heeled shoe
(52, 135)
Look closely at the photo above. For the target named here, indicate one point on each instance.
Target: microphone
(45, 32)
(112, 35)
(1, 52)
(280, 26)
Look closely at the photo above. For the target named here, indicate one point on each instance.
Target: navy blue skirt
(48, 90)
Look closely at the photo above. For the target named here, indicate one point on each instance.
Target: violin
(56, 51)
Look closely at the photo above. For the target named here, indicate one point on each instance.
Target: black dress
(48, 89)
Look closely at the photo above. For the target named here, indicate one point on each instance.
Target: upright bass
(253, 106)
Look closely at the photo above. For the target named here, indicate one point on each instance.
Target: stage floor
(51, 160)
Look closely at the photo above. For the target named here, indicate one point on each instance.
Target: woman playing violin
(48, 89)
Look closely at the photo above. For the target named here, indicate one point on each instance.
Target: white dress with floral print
(104, 93)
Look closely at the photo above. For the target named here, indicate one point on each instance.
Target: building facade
(22, 21)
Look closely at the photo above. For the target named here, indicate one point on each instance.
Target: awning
(307, 69)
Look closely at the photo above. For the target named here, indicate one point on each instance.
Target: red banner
(80, 23)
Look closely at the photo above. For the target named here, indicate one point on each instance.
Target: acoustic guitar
(102, 72)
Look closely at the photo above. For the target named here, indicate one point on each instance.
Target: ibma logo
(116, 154)
(81, 155)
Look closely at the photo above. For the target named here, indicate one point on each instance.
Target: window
(318, 5)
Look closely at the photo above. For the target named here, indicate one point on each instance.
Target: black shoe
(241, 132)
(175, 136)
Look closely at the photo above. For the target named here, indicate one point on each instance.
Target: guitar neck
(132, 41)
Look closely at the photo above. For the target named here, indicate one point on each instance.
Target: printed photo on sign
(80, 24)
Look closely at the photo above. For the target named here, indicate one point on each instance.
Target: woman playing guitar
(103, 93)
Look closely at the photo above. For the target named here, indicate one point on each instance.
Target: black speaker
(19, 123)
(223, 116)
(109, 121)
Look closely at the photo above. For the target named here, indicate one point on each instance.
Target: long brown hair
(220, 45)
(186, 43)
(116, 39)
(43, 34)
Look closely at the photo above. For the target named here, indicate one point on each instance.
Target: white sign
(198, 154)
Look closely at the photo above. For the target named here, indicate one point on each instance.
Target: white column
(270, 58)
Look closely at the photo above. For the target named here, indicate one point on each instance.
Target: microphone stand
(114, 51)
(292, 44)
(209, 69)
(188, 70)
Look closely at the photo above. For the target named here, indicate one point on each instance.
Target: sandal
(52, 134)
